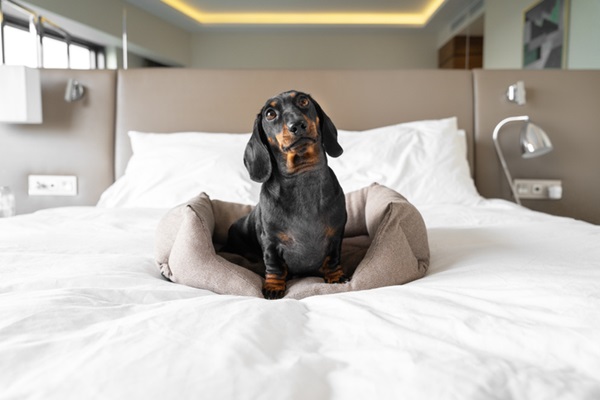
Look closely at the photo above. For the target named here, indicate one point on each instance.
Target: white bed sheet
(510, 309)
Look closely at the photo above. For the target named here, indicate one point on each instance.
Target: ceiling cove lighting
(326, 18)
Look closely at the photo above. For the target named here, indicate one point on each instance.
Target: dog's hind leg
(332, 269)
(275, 275)
(334, 275)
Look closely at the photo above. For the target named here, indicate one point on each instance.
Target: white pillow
(426, 161)
(168, 169)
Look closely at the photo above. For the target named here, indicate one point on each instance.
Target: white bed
(509, 309)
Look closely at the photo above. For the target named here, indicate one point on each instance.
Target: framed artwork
(545, 35)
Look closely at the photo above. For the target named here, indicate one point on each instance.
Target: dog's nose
(297, 127)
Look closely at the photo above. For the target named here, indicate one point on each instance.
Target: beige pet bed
(385, 244)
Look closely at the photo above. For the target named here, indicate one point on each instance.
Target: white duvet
(510, 309)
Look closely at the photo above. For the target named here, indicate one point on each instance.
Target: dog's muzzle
(303, 141)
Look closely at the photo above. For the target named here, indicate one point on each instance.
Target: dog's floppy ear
(328, 132)
(256, 157)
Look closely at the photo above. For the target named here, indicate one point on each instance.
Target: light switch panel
(541, 189)
(52, 185)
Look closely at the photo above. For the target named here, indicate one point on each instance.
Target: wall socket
(540, 189)
(52, 185)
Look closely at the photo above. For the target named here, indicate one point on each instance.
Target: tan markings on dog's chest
(285, 238)
(329, 231)
(309, 159)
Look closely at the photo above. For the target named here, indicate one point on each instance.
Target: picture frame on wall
(545, 35)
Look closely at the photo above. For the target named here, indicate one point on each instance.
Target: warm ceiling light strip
(285, 18)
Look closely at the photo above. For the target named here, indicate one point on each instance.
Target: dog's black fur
(298, 224)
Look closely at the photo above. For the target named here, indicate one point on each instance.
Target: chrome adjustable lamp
(534, 142)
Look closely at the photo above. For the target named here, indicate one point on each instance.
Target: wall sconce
(21, 95)
(534, 142)
(516, 93)
(74, 91)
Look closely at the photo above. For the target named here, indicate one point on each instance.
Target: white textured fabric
(426, 161)
(510, 309)
(167, 169)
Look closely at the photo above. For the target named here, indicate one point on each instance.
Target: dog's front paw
(273, 294)
(335, 276)
(274, 287)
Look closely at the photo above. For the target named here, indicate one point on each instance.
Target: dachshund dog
(298, 224)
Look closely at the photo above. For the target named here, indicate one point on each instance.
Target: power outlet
(52, 185)
(540, 189)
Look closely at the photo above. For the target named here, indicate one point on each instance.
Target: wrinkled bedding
(509, 309)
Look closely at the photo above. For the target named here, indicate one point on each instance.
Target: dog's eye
(270, 114)
(303, 101)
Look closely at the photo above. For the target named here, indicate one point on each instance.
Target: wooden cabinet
(459, 50)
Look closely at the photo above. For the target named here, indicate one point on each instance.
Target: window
(20, 48)
(81, 57)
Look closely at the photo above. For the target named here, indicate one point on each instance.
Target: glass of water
(7, 202)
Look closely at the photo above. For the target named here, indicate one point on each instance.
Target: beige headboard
(171, 100)
(89, 138)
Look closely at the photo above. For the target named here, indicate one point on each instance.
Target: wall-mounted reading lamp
(74, 91)
(516, 93)
(534, 142)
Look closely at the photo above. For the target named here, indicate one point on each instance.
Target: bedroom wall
(503, 38)
(565, 105)
(101, 22)
(74, 139)
(381, 48)
(584, 46)
(77, 138)
(314, 49)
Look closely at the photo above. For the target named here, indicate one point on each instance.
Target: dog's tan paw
(274, 287)
(335, 276)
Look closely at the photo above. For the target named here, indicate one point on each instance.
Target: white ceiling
(444, 15)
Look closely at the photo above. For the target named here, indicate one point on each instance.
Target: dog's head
(290, 130)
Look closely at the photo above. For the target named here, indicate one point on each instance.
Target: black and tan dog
(298, 224)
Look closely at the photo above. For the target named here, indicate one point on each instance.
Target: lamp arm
(505, 121)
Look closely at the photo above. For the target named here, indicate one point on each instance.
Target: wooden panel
(455, 53)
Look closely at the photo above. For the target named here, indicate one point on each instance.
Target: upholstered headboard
(171, 100)
(89, 138)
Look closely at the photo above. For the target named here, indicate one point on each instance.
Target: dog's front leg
(275, 275)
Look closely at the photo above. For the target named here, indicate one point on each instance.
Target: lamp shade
(20, 95)
(534, 141)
